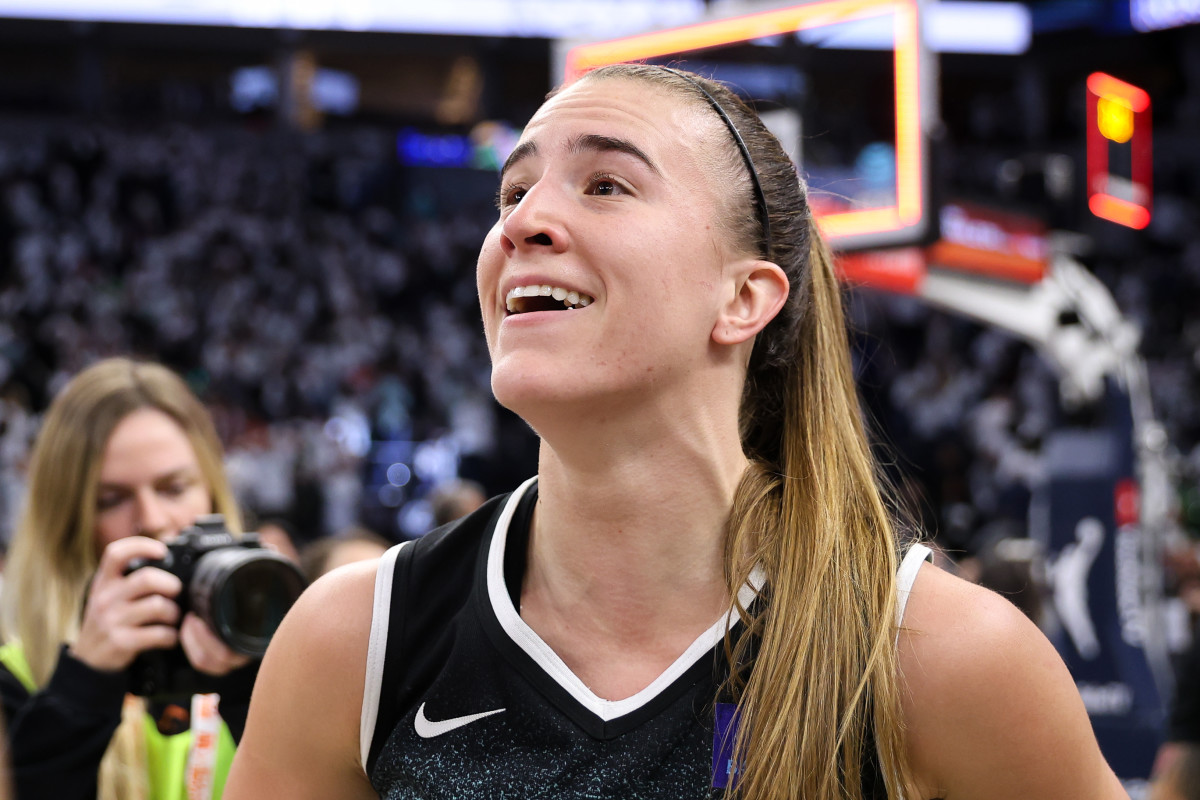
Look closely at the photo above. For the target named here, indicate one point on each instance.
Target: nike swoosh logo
(427, 728)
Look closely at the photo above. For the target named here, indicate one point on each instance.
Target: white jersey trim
(906, 576)
(377, 649)
(537, 649)
(542, 654)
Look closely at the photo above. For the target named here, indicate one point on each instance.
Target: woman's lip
(540, 316)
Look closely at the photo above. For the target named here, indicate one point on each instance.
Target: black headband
(759, 196)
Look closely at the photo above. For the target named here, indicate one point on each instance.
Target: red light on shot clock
(1118, 118)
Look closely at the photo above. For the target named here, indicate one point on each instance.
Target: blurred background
(284, 202)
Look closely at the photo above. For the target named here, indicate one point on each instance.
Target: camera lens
(243, 595)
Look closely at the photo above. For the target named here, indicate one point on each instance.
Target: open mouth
(544, 297)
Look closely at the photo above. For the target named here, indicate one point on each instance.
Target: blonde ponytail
(124, 773)
(824, 686)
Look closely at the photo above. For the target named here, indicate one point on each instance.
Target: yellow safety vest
(166, 756)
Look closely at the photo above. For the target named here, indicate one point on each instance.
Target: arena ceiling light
(949, 27)
(531, 18)
(1154, 15)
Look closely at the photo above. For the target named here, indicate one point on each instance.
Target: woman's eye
(604, 186)
(107, 502)
(509, 196)
(176, 488)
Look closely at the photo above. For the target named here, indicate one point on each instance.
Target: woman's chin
(529, 395)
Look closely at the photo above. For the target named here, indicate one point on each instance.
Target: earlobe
(760, 288)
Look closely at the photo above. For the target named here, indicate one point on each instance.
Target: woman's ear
(760, 288)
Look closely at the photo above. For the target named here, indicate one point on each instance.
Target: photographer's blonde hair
(53, 552)
(823, 692)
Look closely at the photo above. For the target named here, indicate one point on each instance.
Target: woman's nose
(153, 516)
(536, 223)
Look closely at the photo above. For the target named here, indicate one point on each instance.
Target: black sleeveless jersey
(463, 700)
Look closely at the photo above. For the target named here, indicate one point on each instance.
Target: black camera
(238, 587)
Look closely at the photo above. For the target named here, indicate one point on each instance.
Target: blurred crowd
(320, 298)
(318, 318)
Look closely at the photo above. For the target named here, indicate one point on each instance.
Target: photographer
(126, 458)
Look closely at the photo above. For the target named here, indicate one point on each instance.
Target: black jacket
(58, 736)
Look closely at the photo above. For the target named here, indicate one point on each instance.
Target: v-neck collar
(603, 718)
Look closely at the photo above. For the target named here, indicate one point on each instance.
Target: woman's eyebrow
(173, 474)
(585, 142)
(602, 144)
(521, 152)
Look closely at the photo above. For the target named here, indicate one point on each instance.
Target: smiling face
(150, 480)
(603, 275)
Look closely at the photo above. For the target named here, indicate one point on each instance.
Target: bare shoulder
(330, 624)
(990, 708)
(302, 732)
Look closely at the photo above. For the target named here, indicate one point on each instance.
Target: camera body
(238, 587)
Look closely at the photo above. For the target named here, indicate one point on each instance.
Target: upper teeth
(572, 299)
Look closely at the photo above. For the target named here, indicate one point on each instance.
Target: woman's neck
(629, 531)
(625, 559)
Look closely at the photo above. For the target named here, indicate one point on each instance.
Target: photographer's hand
(127, 614)
(206, 652)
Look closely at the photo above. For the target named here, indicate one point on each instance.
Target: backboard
(847, 86)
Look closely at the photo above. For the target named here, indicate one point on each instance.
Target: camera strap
(202, 755)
